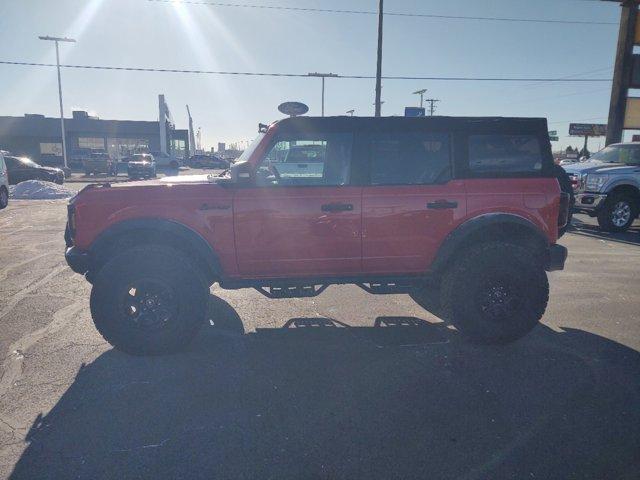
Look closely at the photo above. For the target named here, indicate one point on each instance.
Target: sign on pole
(587, 129)
(553, 138)
(414, 111)
(553, 133)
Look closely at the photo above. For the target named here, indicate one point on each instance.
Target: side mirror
(241, 173)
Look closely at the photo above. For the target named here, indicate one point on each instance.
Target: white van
(4, 183)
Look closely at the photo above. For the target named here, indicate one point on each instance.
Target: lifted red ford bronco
(462, 214)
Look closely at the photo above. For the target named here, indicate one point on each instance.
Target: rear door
(300, 219)
(411, 201)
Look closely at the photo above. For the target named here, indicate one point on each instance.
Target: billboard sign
(414, 112)
(587, 129)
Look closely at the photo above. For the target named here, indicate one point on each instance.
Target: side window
(410, 158)
(12, 163)
(504, 154)
(306, 160)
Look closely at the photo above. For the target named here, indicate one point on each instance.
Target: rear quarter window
(505, 155)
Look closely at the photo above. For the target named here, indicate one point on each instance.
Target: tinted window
(410, 159)
(308, 160)
(500, 154)
(12, 163)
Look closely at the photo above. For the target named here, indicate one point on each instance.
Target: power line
(275, 74)
(392, 14)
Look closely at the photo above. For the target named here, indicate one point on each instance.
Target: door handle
(442, 205)
(337, 207)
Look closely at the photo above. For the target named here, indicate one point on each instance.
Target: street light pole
(323, 76)
(64, 141)
(379, 60)
(350, 112)
(421, 93)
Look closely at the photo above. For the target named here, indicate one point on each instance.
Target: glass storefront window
(94, 143)
(124, 147)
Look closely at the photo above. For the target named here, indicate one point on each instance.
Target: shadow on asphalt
(630, 237)
(318, 399)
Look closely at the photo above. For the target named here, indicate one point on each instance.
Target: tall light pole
(350, 112)
(323, 76)
(421, 93)
(64, 141)
(378, 104)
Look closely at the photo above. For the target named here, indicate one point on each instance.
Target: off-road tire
(150, 265)
(607, 212)
(4, 197)
(488, 271)
(565, 187)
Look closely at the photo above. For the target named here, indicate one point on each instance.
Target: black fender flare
(198, 247)
(493, 221)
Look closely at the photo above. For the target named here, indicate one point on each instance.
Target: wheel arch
(507, 227)
(628, 188)
(155, 231)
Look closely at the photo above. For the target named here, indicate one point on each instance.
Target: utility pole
(323, 76)
(421, 93)
(350, 112)
(378, 104)
(432, 105)
(622, 71)
(64, 141)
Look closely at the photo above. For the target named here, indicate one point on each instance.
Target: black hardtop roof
(496, 124)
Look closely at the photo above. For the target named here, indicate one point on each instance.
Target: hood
(604, 168)
(140, 162)
(50, 169)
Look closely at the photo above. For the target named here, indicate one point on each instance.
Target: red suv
(463, 214)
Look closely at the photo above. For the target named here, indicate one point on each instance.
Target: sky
(143, 33)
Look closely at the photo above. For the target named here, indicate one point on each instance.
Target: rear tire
(495, 293)
(618, 213)
(4, 197)
(149, 300)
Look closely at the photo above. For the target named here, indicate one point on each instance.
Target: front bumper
(589, 201)
(557, 257)
(77, 260)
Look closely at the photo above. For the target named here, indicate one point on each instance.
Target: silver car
(608, 186)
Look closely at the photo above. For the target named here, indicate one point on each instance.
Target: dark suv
(463, 214)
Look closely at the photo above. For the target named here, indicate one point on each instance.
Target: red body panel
(402, 235)
(283, 231)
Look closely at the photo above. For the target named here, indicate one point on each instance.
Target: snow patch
(38, 190)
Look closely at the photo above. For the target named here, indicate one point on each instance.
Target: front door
(410, 203)
(301, 218)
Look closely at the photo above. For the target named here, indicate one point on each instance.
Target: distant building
(39, 138)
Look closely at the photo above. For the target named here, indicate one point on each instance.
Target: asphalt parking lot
(379, 389)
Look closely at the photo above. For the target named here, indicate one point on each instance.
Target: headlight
(595, 182)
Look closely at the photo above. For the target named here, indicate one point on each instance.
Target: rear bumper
(77, 260)
(557, 257)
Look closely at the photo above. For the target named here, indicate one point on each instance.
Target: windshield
(628, 154)
(246, 155)
(28, 162)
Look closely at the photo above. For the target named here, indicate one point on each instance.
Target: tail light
(70, 231)
(563, 213)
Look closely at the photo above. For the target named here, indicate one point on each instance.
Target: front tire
(495, 293)
(618, 213)
(149, 301)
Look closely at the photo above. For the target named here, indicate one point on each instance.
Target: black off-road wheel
(495, 293)
(618, 213)
(149, 301)
(4, 197)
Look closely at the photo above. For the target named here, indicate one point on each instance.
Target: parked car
(23, 168)
(77, 157)
(100, 162)
(165, 160)
(208, 161)
(607, 186)
(4, 183)
(141, 165)
(468, 232)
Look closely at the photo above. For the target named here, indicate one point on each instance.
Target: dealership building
(39, 137)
